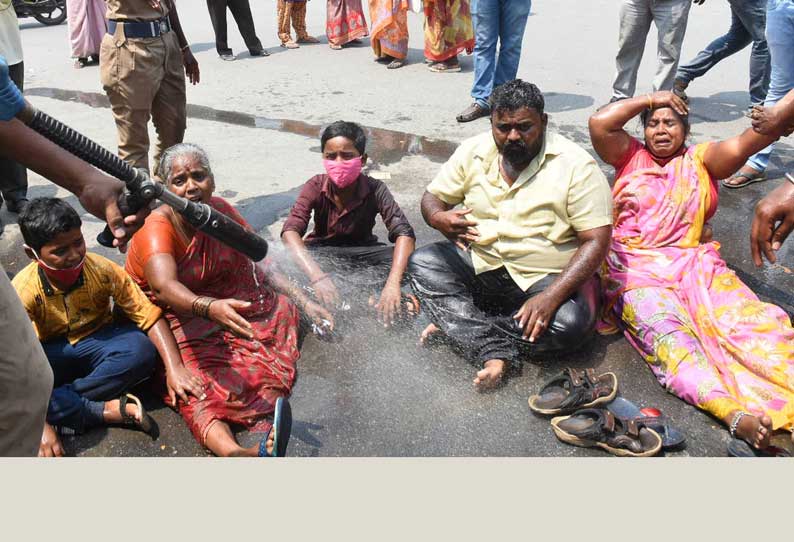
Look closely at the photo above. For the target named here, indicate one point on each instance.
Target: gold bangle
(201, 306)
(650, 102)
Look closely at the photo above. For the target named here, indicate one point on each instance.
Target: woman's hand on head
(665, 98)
(224, 312)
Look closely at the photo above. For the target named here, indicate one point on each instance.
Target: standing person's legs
(736, 39)
(241, 11)
(485, 17)
(512, 23)
(283, 15)
(635, 21)
(671, 19)
(299, 22)
(13, 175)
(25, 378)
(131, 91)
(443, 278)
(752, 14)
(169, 107)
(780, 38)
(217, 9)
(98, 368)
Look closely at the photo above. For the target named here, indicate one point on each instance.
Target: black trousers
(241, 11)
(355, 269)
(476, 311)
(13, 175)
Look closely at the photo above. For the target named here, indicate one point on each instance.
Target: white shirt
(10, 40)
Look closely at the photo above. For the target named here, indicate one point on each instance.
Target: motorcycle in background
(49, 12)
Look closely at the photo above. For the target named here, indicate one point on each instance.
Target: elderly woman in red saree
(448, 32)
(706, 336)
(389, 31)
(87, 26)
(238, 336)
(344, 22)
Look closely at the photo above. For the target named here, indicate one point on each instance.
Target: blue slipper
(282, 428)
(671, 437)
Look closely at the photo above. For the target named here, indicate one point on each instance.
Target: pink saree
(706, 336)
(86, 20)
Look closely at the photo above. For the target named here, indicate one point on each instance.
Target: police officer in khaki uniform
(144, 58)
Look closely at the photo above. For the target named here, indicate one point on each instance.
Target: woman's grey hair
(178, 150)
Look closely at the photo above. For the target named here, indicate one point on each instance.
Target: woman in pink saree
(706, 336)
(86, 20)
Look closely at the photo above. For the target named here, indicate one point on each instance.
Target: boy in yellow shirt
(67, 294)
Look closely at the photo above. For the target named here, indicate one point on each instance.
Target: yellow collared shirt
(85, 307)
(529, 227)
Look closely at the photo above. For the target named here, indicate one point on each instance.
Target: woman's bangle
(650, 102)
(318, 279)
(201, 306)
(187, 46)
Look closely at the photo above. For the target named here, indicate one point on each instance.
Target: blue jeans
(502, 20)
(748, 22)
(780, 37)
(98, 368)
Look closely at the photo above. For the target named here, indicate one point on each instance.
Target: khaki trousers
(294, 11)
(143, 78)
(25, 378)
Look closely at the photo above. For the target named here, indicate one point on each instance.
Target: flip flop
(749, 178)
(573, 389)
(146, 424)
(740, 448)
(652, 418)
(282, 428)
(598, 427)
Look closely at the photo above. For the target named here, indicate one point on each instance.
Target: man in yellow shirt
(67, 295)
(518, 270)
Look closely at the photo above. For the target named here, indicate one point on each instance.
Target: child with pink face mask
(95, 360)
(342, 253)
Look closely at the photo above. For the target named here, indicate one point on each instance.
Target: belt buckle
(163, 27)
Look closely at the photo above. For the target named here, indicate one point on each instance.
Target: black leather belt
(142, 29)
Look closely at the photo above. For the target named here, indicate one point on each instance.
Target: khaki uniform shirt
(135, 10)
(529, 227)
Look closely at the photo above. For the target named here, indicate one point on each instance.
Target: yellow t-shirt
(529, 227)
(85, 307)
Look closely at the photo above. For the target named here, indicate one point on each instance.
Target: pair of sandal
(584, 396)
(281, 430)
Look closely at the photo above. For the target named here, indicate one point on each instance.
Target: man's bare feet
(50, 445)
(427, 333)
(491, 374)
(754, 430)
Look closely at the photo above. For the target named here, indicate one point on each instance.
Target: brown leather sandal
(598, 427)
(573, 389)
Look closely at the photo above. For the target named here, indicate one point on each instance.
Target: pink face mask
(343, 173)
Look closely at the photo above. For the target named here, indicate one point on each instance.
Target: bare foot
(491, 374)
(50, 445)
(755, 431)
(427, 333)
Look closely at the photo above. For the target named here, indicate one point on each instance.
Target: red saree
(242, 378)
(344, 21)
